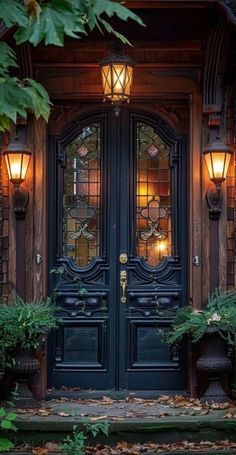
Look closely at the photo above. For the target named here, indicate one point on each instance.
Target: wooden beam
(40, 271)
(195, 219)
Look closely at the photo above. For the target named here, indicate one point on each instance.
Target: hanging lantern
(117, 75)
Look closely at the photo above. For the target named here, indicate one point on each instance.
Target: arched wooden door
(117, 225)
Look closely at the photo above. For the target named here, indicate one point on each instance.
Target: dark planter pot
(214, 362)
(25, 365)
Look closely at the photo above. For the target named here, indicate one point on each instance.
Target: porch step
(37, 430)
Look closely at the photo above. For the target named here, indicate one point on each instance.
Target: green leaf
(110, 29)
(2, 412)
(96, 428)
(5, 444)
(111, 8)
(11, 416)
(13, 13)
(16, 98)
(39, 89)
(58, 18)
(8, 57)
(70, 17)
(40, 102)
(7, 425)
(10, 403)
(94, 13)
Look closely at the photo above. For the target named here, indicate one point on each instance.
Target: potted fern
(215, 327)
(21, 325)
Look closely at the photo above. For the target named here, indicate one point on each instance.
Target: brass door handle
(123, 285)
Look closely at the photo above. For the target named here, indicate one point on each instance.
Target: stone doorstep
(37, 430)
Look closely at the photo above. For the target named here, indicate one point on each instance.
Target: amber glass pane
(153, 200)
(82, 196)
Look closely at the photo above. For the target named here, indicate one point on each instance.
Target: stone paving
(135, 408)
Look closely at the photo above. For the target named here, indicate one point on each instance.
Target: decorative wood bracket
(214, 200)
(21, 199)
(214, 72)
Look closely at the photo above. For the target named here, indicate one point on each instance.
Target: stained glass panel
(153, 226)
(82, 196)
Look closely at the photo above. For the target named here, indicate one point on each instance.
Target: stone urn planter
(22, 324)
(25, 365)
(214, 362)
(213, 328)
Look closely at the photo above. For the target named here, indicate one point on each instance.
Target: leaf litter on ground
(140, 408)
(124, 447)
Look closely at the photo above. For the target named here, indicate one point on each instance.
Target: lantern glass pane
(25, 165)
(15, 165)
(106, 80)
(227, 161)
(128, 80)
(8, 166)
(119, 78)
(209, 164)
(218, 162)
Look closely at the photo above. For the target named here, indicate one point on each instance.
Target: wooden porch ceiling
(171, 45)
(228, 7)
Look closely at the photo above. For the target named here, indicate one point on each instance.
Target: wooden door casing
(118, 357)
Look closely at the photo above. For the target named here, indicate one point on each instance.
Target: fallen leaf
(116, 418)
(95, 418)
(44, 412)
(40, 451)
(52, 446)
(229, 415)
(108, 400)
(220, 405)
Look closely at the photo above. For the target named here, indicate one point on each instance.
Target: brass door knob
(123, 258)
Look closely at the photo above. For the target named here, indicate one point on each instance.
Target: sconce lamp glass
(17, 157)
(217, 157)
(117, 76)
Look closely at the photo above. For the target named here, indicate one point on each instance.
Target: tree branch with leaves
(48, 22)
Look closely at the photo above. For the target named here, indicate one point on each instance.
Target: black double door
(117, 239)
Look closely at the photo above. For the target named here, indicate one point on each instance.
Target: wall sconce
(17, 157)
(217, 157)
(117, 77)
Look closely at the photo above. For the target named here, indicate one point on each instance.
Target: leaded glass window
(153, 222)
(82, 196)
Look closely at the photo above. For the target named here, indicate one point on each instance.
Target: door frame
(37, 209)
(70, 132)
